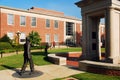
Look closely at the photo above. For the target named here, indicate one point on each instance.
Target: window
(10, 35)
(22, 38)
(56, 39)
(56, 24)
(10, 20)
(22, 20)
(47, 23)
(33, 21)
(69, 28)
(47, 38)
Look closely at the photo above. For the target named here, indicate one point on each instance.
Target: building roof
(42, 11)
(86, 2)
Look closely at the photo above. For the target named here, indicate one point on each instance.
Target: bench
(57, 59)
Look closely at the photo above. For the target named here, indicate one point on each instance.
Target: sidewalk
(47, 72)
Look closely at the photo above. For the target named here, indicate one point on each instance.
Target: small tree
(5, 38)
(34, 38)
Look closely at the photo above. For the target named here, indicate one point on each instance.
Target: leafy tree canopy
(34, 38)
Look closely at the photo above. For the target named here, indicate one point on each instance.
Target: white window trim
(57, 38)
(46, 38)
(54, 24)
(31, 22)
(46, 23)
(8, 18)
(10, 36)
(20, 20)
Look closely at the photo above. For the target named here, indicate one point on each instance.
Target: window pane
(10, 19)
(56, 24)
(47, 23)
(56, 38)
(22, 20)
(69, 28)
(10, 35)
(48, 38)
(33, 22)
(22, 38)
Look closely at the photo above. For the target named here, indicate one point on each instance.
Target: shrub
(34, 38)
(5, 38)
(5, 45)
(38, 47)
(18, 47)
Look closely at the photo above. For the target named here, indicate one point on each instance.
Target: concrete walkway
(47, 72)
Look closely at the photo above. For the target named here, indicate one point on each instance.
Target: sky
(67, 6)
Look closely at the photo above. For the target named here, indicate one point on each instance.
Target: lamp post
(18, 35)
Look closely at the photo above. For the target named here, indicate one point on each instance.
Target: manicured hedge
(5, 45)
(18, 47)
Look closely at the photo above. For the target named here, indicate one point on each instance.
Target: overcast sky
(66, 6)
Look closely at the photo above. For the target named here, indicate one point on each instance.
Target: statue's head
(27, 39)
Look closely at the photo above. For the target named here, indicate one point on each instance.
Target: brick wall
(78, 34)
(40, 27)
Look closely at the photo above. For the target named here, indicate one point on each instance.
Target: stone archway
(92, 11)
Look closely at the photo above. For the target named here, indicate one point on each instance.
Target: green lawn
(73, 49)
(16, 61)
(91, 76)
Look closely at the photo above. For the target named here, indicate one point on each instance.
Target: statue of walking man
(27, 57)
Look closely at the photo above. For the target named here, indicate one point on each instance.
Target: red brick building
(51, 25)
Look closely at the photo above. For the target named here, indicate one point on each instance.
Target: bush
(34, 38)
(18, 47)
(5, 38)
(5, 45)
(38, 47)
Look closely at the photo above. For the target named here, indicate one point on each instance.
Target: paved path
(47, 72)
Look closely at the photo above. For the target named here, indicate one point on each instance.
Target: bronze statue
(46, 49)
(27, 57)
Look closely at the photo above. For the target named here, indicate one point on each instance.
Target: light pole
(18, 35)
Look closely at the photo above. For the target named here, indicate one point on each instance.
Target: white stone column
(112, 35)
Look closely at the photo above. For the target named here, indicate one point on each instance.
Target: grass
(91, 76)
(103, 50)
(16, 61)
(73, 49)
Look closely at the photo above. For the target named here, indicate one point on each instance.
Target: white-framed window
(69, 28)
(33, 21)
(10, 19)
(22, 38)
(22, 20)
(47, 23)
(47, 38)
(56, 24)
(10, 35)
(56, 39)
